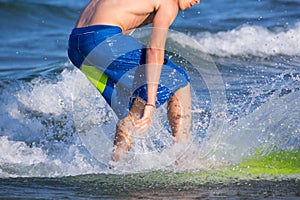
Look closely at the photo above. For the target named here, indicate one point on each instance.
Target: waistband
(93, 28)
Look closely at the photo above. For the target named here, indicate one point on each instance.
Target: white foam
(18, 152)
(49, 157)
(49, 98)
(247, 41)
(32, 117)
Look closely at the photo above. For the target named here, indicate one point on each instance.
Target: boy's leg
(179, 114)
(122, 142)
(125, 129)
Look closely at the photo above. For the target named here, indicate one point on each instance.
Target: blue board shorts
(115, 64)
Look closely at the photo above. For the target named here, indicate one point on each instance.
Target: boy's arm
(165, 15)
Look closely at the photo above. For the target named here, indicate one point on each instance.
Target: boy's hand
(144, 123)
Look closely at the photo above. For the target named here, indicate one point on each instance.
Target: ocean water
(56, 131)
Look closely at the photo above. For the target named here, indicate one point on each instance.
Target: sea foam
(247, 40)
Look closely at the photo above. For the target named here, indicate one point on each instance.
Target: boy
(105, 19)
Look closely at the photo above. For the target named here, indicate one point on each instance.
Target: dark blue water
(246, 97)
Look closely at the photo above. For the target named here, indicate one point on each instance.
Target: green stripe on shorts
(96, 76)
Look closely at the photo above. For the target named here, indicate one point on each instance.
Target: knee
(123, 133)
(123, 141)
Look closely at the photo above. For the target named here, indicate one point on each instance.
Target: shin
(179, 114)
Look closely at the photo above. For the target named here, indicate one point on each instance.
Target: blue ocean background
(254, 50)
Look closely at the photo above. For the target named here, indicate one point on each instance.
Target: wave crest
(249, 41)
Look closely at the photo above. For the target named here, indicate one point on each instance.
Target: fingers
(146, 120)
(143, 124)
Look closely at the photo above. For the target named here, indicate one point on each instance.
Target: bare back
(127, 14)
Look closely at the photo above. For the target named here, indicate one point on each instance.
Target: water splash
(41, 123)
